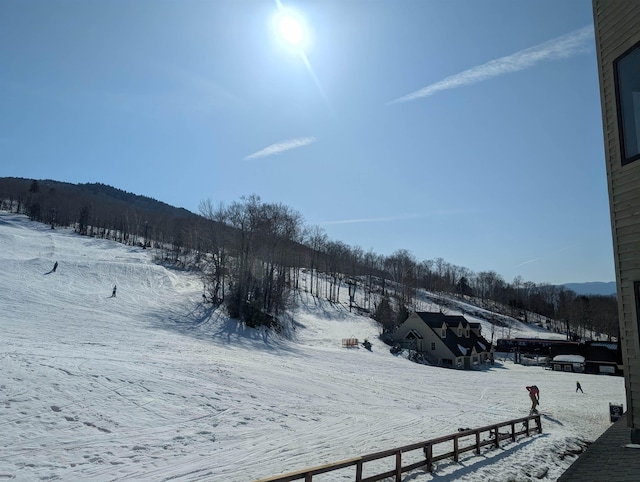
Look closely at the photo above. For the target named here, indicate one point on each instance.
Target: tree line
(98, 210)
(252, 255)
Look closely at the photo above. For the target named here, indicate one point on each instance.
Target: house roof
(568, 358)
(611, 345)
(595, 352)
(436, 319)
(459, 346)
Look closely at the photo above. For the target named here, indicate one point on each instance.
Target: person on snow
(55, 267)
(578, 387)
(534, 395)
(113, 293)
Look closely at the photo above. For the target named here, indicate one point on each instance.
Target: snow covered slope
(153, 385)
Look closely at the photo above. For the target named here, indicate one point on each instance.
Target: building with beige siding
(447, 341)
(617, 34)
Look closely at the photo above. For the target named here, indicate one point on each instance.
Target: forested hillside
(251, 255)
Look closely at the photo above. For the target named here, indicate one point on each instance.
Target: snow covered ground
(154, 385)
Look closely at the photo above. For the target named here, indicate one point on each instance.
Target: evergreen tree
(385, 315)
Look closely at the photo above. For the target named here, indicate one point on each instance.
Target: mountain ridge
(603, 288)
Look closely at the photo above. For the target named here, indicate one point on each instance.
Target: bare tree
(316, 240)
(215, 246)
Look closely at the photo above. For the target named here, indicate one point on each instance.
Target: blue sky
(468, 130)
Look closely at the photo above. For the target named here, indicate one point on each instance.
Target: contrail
(371, 220)
(540, 257)
(578, 41)
(279, 147)
(527, 262)
(449, 212)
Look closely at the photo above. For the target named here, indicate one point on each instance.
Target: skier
(113, 293)
(534, 394)
(55, 267)
(578, 387)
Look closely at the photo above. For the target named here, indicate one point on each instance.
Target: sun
(291, 29)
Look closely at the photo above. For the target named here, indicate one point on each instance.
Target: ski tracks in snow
(153, 385)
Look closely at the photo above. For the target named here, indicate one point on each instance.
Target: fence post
(526, 426)
(496, 433)
(455, 449)
(359, 471)
(428, 453)
(477, 443)
(398, 466)
(513, 431)
(539, 423)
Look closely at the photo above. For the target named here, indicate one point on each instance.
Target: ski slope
(152, 385)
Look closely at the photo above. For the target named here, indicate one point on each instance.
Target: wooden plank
(467, 449)
(321, 469)
(414, 466)
(438, 458)
(385, 475)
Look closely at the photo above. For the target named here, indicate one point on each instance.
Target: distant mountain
(593, 288)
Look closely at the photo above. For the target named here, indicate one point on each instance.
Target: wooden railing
(461, 444)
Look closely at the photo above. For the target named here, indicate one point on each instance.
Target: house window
(459, 332)
(466, 333)
(433, 346)
(626, 70)
(444, 333)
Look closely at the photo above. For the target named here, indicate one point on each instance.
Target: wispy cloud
(576, 42)
(280, 147)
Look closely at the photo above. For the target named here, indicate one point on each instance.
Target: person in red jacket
(534, 395)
